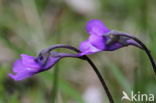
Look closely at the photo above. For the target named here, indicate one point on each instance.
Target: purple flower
(27, 66)
(101, 40)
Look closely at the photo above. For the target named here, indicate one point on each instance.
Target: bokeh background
(27, 26)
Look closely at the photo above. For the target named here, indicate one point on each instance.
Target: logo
(137, 97)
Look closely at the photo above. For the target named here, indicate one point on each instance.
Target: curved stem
(61, 46)
(88, 60)
(95, 70)
(143, 46)
(101, 79)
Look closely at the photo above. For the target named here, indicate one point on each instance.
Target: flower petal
(19, 67)
(22, 75)
(96, 27)
(29, 61)
(86, 48)
(98, 41)
(27, 66)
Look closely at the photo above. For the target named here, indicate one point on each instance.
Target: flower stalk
(117, 33)
(55, 54)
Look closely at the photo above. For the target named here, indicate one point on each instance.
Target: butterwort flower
(100, 39)
(27, 66)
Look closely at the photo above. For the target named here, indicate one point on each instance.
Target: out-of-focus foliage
(27, 26)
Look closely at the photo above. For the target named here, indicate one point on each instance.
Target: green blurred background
(27, 26)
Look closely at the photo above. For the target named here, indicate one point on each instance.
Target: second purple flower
(101, 40)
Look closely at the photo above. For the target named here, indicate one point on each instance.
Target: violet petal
(22, 75)
(98, 41)
(86, 48)
(29, 61)
(20, 67)
(96, 27)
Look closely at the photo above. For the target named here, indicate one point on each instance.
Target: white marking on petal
(31, 69)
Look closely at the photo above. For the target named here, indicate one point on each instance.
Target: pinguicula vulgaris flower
(101, 40)
(28, 66)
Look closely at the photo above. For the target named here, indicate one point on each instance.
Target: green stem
(56, 73)
(55, 84)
